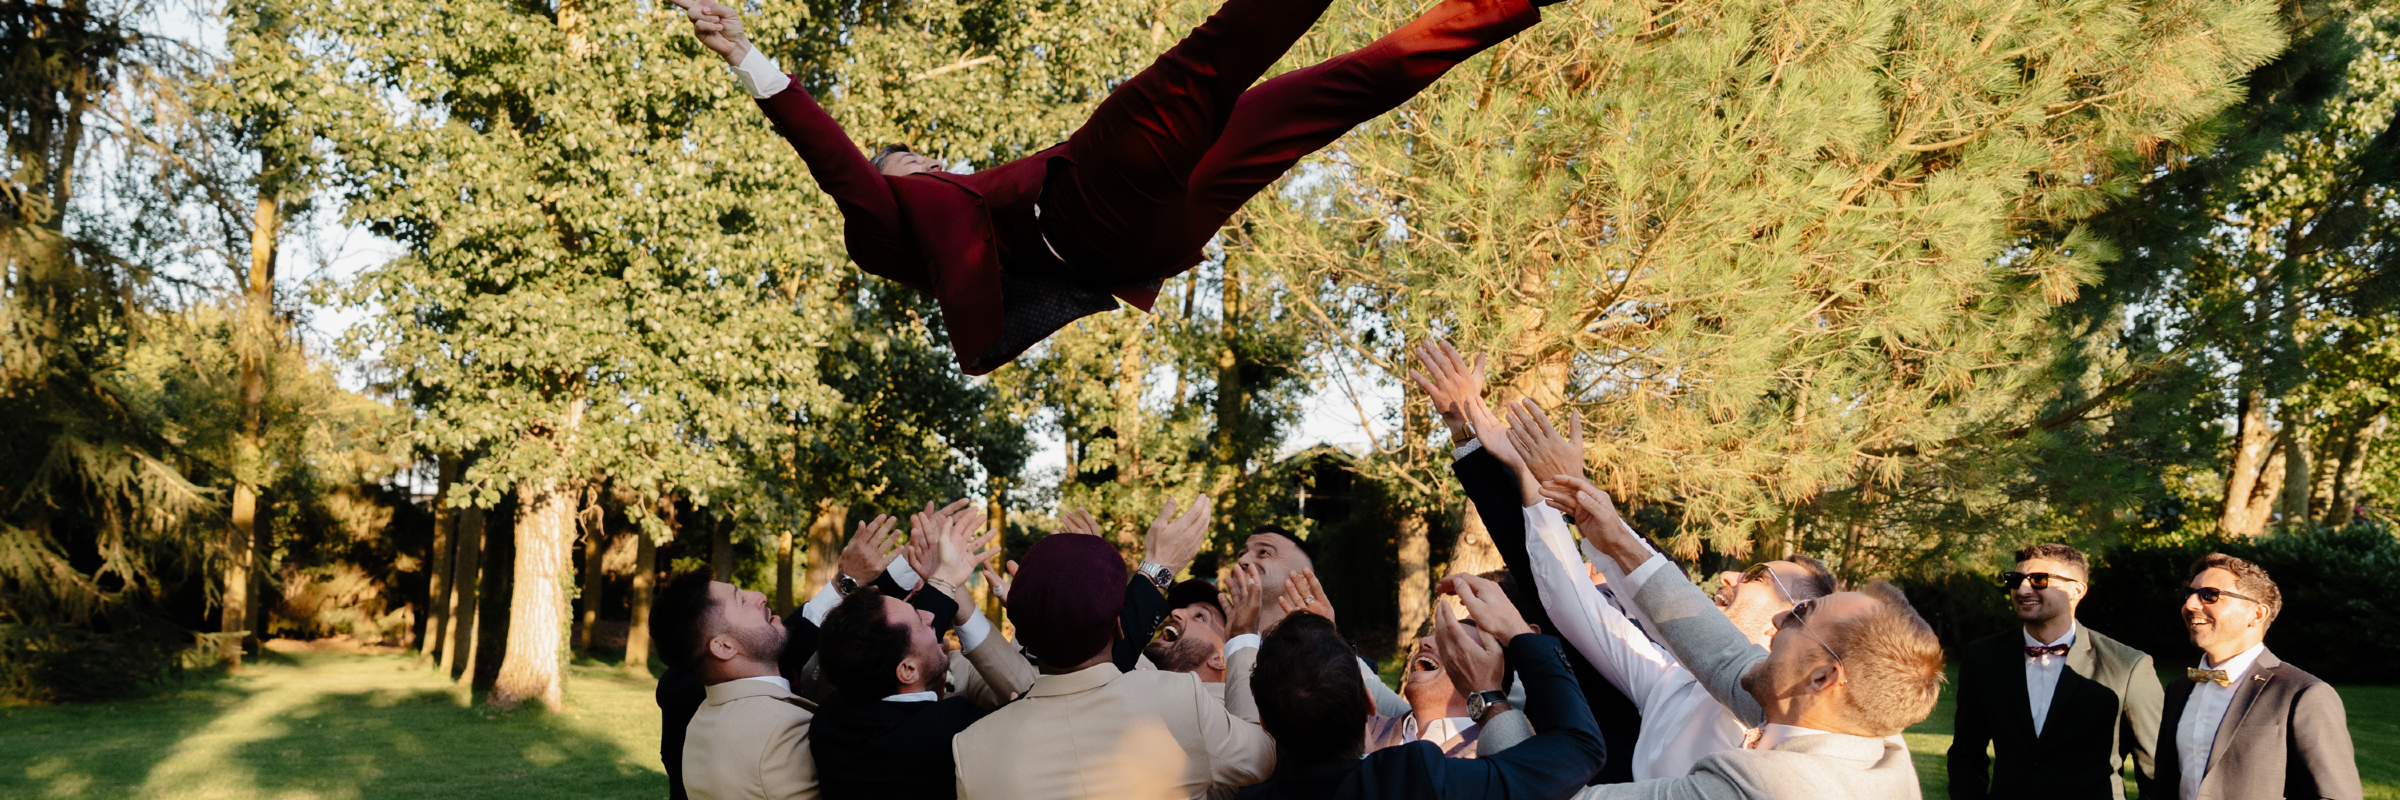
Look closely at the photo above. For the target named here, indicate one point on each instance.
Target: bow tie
(2036, 651)
(2216, 676)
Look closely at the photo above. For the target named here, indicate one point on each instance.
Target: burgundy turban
(1069, 590)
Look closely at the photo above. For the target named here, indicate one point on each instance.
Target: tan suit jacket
(749, 741)
(1102, 734)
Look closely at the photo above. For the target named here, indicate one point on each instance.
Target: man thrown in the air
(1015, 252)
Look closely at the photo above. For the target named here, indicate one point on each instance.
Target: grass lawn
(305, 725)
(2374, 730)
(309, 725)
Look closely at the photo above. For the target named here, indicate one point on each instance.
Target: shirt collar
(1776, 733)
(914, 697)
(2239, 665)
(2068, 639)
(1440, 730)
(777, 680)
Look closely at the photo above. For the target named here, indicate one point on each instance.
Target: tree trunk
(437, 562)
(1416, 577)
(239, 551)
(253, 342)
(783, 572)
(1230, 401)
(2253, 440)
(466, 573)
(825, 539)
(2293, 499)
(537, 609)
(720, 550)
(645, 575)
(996, 514)
(499, 593)
(587, 601)
(2351, 468)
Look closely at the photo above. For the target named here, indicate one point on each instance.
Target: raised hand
(1595, 516)
(1547, 455)
(1495, 439)
(719, 28)
(1475, 663)
(1243, 594)
(1173, 540)
(869, 550)
(1302, 592)
(1490, 607)
(1000, 582)
(1451, 384)
(1077, 520)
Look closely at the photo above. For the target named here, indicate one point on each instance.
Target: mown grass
(303, 726)
(337, 726)
(2374, 730)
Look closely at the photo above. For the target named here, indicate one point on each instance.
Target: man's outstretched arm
(873, 230)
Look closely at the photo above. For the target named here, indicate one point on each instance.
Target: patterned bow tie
(2037, 651)
(2216, 676)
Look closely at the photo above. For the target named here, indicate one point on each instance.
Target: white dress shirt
(2041, 675)
(2196, 733)
(778, 680)
(1439, 731)
(1775, 733)
(761, 75)
(1680, 721)
(914, 697)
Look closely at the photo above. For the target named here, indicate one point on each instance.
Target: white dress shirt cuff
(1634, 579)
(761, 75)
(913, 697)
(903, 574)
(1465, 450)
(822, 604)
(972, 634)
(1239, 643)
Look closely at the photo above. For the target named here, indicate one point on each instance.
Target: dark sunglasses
(2041, 580)
(2209, 595)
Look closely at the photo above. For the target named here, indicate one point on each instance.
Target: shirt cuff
(761, 75)
(903, 574)
(1465, 450)
(1240, 643)
(1634, 579)
(817, 607)
(972, 634)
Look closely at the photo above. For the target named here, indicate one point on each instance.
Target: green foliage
(1774, 251)
(62, 664)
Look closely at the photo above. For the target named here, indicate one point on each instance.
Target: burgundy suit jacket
(939, 233)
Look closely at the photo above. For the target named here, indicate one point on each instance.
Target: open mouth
(1423, 664)
(1170, 633)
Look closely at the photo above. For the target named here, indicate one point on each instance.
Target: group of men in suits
(2063, 708)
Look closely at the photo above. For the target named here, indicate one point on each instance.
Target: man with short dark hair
(1193, 637)
(1087, 729)
(1273, 556)
(1843, 675)
(2061, 706)
(1311, 700)
(885, 730)
(749, 738)
(2247, 724)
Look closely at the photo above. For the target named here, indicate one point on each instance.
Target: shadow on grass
(389, 744)
(106, 749)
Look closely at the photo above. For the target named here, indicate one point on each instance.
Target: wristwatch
(1159, 574)
(1480, 704)
(843, 585)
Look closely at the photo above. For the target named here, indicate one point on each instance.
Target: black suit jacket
(882, 750)
(2105, 710)
(1493, 488)
(2284, 735)
(1563, 754)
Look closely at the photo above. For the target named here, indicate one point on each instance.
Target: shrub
(57, 664)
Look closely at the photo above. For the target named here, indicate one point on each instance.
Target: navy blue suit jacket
(1564, 753)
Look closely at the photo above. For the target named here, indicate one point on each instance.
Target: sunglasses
(2209, 595)
(2040, 580)
(1798, 618)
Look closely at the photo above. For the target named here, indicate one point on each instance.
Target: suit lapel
(2262, 672)
(2081, 673)
(2169, 756)
(2019, 700)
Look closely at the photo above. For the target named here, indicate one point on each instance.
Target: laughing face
(1427, 686)
(2228, 626)
(1192, 640)
(2038, 605)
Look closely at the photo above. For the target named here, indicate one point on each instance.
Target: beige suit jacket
(749, 741)
(1102, 734)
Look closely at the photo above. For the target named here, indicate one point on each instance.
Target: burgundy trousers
(1174, 152)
